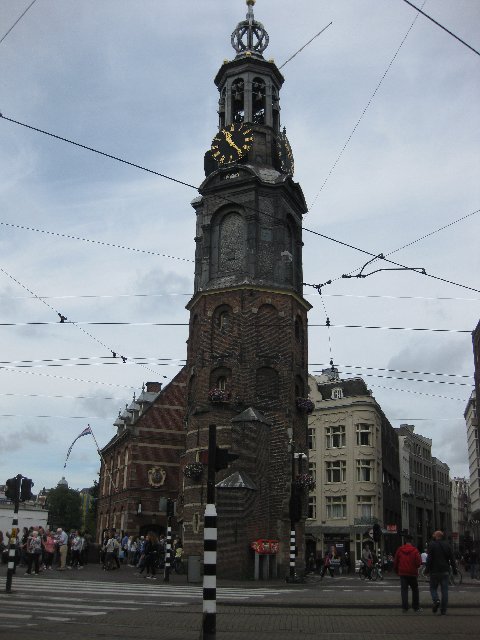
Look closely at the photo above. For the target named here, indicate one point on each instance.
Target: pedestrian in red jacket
(406, 563)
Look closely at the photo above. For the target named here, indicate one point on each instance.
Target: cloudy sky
(134, 78)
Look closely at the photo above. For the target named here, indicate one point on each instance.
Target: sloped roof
(238, 480)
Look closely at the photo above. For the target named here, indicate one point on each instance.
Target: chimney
(154, 387)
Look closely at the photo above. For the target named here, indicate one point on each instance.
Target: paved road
(94, 604)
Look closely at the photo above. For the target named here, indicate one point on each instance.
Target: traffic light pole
(13, 537)
(209, 624)
(292, 518)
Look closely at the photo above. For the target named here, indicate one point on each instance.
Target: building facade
(354, 456)
(460, 496)
(473, 446)
(141, 463)
(247, 347)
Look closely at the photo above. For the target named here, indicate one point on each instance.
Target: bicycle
(455, 579)
(376, 572)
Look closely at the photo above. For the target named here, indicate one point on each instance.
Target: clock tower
(247, 346)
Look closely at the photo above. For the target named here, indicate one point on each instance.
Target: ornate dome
(250, 35)
(62, 482)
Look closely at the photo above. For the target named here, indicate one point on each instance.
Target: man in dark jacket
(439, 562)
(406, 562)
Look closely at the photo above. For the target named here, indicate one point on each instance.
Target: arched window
(299, 330)
(275, 109)
(231, 244)
(222, 318)
(258, 101)
(220, 378)
(238, 100)
(267, 383)
(221, 107)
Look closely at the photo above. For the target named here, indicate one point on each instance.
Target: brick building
(141, 463)
(247, 347)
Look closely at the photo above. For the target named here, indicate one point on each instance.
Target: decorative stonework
(156, 477)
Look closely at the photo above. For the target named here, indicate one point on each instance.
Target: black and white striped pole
(13, 493)
(168, 550)
(209, 624)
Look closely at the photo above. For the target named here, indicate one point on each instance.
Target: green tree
(64, 508)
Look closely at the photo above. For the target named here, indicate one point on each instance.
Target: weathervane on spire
(250, 36)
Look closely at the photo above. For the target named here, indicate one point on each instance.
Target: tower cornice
(248, 287)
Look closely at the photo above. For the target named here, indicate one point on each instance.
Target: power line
(417, 393)
(63, 320)
(230, 200)
(90, 241)
(427, 235)
(186, 324)
(17, 21)
(66, 379)
(18, 415)
(305, 45)
(62, 397)
(332, 169)
(373, 375)
(360, 326)
(422, 373)
(442, 27)
(101, 153)
(150, 359)
(173, 294)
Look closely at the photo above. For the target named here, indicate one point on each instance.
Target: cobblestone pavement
(119, 604)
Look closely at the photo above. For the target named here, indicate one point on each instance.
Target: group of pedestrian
(439, 561)
(40, 549)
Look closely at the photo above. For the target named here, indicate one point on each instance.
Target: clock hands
(228, 138)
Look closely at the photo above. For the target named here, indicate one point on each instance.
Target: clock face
(285, 155)
(231, 143)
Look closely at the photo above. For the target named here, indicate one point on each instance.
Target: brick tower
(247, 347)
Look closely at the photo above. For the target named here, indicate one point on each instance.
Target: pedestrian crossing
(63, 601)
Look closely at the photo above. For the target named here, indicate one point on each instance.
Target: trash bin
(194, 573)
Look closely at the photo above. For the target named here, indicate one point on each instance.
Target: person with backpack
(440, 562)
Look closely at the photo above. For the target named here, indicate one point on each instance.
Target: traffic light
(26, 490)
(223, 458)
(296, 506)
(377, 532)
(11, 489)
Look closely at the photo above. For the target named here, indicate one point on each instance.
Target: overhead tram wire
(373, 375)
(173, 294)
(223, 198)
(100, 242)
(332, 169)
(417, 393)
(304, 46)
(17, 21)
(182, 361)
(421, 373)
(441, 26)
(67, 379)
(186, 324)
(63, 319)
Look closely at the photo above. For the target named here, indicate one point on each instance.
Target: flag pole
(103, 459)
